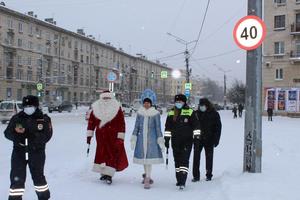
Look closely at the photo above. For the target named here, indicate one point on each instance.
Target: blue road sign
(111, 76)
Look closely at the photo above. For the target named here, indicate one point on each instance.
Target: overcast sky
(140, 26)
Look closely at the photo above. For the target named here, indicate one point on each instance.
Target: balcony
(295, 56)
(295, 29)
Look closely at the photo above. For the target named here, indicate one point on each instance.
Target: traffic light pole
(252, 134)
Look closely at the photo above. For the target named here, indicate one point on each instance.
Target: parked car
(56, 106)
(127, 109)
(9, 109)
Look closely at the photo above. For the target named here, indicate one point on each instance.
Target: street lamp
(187, 54)
(224, 71)
(176, 74)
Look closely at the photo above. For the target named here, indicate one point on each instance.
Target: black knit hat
(30, 100)
(147, 100)
(204, 102)
(180, 97)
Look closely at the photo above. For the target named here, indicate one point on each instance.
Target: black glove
(167, 142)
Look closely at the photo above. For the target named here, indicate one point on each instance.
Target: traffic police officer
(29, 130)
(181, 126)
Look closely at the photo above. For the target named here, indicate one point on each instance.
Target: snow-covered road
(68, 169)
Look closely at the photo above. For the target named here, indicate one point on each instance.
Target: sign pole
(253, 127)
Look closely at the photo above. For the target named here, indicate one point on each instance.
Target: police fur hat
(204, 102)
(180, 97)
(30, 100)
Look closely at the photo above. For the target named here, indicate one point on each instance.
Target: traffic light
(152, 74)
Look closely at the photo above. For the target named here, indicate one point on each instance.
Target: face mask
(202, 108)
(29, 110)
(178, 105)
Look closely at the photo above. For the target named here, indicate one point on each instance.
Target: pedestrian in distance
(210, 123)
(270, 113)
(234, 110)
(240, 109)
(29, 130)
(147, 140)
(181, 127)
(107, 120)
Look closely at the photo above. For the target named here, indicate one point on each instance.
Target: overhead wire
(201, 28)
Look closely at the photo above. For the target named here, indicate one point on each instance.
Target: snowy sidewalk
(68, 169)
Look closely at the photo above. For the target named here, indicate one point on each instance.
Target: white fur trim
(148, 161)
(121, 136)
(148, 112)
(103, 169)
(90, 133)
(160, 141)
(105, 111)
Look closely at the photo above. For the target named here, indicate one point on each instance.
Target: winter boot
(143, 181)
(147, 183)
(181, 187)
(108, 180)
(195, 179)
(103, 177)
(208, 178)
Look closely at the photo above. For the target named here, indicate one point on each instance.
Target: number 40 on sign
(249, 32)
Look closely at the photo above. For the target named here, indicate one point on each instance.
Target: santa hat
(107, 94)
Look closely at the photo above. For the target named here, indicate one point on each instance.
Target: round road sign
(111, 76)
(249, 32)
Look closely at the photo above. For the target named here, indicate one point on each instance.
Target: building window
(20, 27)
(30, 45)
(19, 60)
(279, 74)
(19, 94)
(280, 2)
(19, 42)
(29, 75)
(19, 74)
(279, 48)
(30, 30)
(29, 61)
(8, 92)
(9, 23)
(279, 22)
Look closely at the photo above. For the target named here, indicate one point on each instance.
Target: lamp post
(186, 53)
(225, 84)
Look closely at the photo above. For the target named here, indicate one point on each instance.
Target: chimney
(49, 20)
(30, 13)
(35, 16)
(54, 22)
(80, 31)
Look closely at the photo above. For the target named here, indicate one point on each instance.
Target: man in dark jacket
(29, 130)
(211, 126)
(240, 108)
(270, 113)
(181, 126)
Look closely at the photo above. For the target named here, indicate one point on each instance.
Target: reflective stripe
(170, 113)
(16, 192)
(177, 169)
(167, 133)
(197, 132)
(187, 112)
(42, 188)
(184, 169)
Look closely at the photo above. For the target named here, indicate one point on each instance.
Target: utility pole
(186, 53)
(225, 85)
(252, 137)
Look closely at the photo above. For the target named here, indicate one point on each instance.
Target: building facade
(281, 56)
(71, 66)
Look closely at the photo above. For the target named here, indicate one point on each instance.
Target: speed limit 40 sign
(249, 32)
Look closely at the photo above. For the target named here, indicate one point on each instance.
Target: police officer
(211, 126)
(181, 126)
(29, 130)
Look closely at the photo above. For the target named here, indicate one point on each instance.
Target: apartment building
(281, 56)
(71, 66)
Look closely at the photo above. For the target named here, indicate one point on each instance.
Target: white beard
(105, 110)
